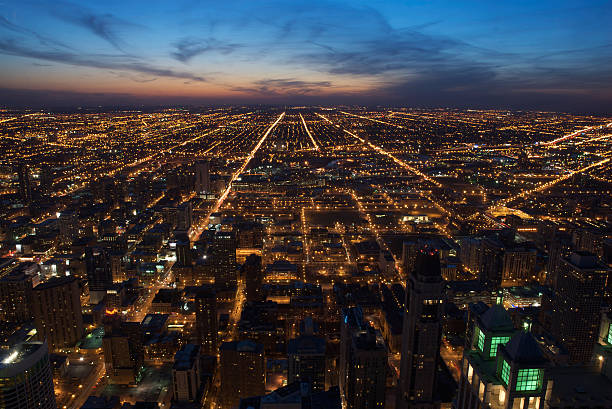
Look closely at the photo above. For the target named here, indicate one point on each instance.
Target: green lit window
(481, 340)
(505, 372)
(529, 379)
(610, 334)
(495, 341)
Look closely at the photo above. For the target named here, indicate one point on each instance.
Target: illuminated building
(25, 377)
(243, 372)
(186, 374)
(422, 331)
(205, 304)
(223, 260)
(123, 350)
(251, 272)
(56, 307)
(202, 177)
(16, 297)
(99, 273)
(363, 362)
(577, 304)
(25, 185)
(502, 368)
(306, 356)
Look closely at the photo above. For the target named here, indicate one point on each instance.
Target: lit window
(505, 372)
(610, 334)
(528, 379)
(481, 339)
(495, 341)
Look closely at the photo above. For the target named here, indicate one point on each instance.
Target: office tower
(223, 259)
(491, 262)
(422, 333)
(25, 185)
(16, 297)
(306, 361)
(515, 377)
(252, 273)
(26, 380)
(46, 179)
(243, 372)
(123, 350)
(206, 319)
(366, 371)
(68, 226)
(186, 374)
(184, 217)
(576, 307)
(99, 273)
(184, 256)
(56, 307)
(490, 327)
(202, 177)
(363, 362)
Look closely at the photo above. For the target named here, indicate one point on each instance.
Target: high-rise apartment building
(223, 259)
(243, 372)
(26, 380)
(202, 177)
(206, 319)
(577, 304)
(422, 333)
(56, 307)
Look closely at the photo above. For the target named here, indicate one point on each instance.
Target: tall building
(503, 376)
(99, 273)
(422, 331)
(202, 177)
(56, 307)
(206, 319)
(123, 350)
(184, 216)
(25, 185)
(243, 372)
(306, 361)
(223, 259)
(363, 362)
(26, 380)
(68, 223)
(577, 304)
(252, 273)
(186, 374)
(16, 297)
(491, 262)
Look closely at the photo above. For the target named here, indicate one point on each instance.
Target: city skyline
(524, 55)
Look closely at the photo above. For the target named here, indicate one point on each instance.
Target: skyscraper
(206, 319)
(421, 333)
(363, 362)
(223, 259)
(25, 185)
(56, 307)
(577, 304)
(186, 374)
(306, 361)
(16, 297)
(243, 372)
(25, 377)
(202, 177)
(99, 273)
(252, 273)
(123, 350)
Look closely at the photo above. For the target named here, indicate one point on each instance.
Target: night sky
(552, 55)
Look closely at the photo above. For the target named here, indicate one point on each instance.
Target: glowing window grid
(495, 341)
(505, 372)
(529, 380)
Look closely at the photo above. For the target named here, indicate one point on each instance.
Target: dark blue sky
(515, 54)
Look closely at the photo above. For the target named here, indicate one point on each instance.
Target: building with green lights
(503, 368)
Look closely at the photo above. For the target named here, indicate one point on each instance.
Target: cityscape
(336, 205)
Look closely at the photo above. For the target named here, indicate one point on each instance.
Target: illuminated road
(574, 134)
(309, 134)
(235, 176)
(373, 120)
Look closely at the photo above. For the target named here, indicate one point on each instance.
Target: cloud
(111, 62)
(187, 48)
(43, 40)
(284, 86)
(105, 26)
